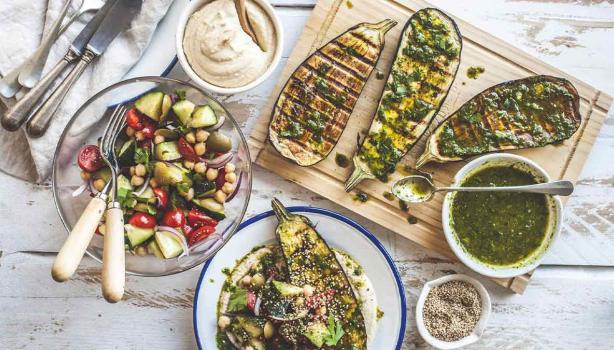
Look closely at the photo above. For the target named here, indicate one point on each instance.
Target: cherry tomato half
(89, 158)
(161, 196)
(200, 233)
(197, 218)
(187, 151)
(142, 220)
(134, 119)
(173, 218)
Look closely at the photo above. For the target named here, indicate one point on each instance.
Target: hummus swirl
(220, 52)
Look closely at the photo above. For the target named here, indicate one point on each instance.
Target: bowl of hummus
(218, 55)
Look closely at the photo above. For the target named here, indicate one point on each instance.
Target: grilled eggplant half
(314, 106)
(525, 113)
(423, 70)
(310, 261)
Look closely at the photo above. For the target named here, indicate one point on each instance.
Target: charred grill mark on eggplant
(523, 113)
(324, 89)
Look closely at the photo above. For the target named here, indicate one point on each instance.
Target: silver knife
(117, 19)
(14, 117)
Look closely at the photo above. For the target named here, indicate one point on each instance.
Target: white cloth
(21, 27)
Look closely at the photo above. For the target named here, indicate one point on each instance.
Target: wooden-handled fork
(113, 263)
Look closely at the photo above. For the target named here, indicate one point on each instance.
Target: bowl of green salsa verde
(501, 234)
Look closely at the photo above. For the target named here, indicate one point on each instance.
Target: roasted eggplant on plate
(423, 70)
(314, 106)
(296, 294)
(525, 113)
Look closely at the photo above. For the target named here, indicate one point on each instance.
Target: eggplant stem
(383, 26)
(359, 174)
(280, 211)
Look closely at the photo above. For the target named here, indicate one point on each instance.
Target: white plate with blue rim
(339, 232)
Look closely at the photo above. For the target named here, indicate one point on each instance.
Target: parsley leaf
(238, 300)
(141, 156)
(335, 332)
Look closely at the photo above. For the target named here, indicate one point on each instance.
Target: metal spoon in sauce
(417, 189)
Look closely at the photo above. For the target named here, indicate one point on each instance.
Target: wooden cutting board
(501, 61)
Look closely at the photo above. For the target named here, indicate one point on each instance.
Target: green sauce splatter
(475, 71)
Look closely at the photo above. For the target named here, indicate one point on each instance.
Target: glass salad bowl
(72, 193)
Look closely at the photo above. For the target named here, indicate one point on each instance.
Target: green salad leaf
(335, 332)
(238, 300)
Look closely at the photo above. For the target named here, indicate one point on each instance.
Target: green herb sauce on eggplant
(524, 113)
(423, 70)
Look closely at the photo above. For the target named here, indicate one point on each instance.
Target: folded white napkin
(21, 26)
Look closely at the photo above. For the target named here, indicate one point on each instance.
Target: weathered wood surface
(564, 308)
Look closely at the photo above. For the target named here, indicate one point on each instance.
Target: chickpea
(158, 139)
(321, 310)
(228, 188)
(129, 131)
(136, 180)
(140, 251)
(190, 195)
(246, 280)
(223, 322)
(230, 168)
(200, 148)
(230, 177)
(102, 228)
(139, 136)
(200, 167)
(190, 137)
(201, 135)
(99, 184)
(269, 330)
(140, 170)
(220, 196)
(85, 176)
(188, 164)
(153, 182)
(211, 174)
(132, 170)
(308, 290)
(257, 280)
(300, 301)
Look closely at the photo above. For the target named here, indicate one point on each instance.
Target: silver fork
(113, 255)
(74, 247)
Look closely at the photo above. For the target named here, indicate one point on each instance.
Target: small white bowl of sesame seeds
(452, 311)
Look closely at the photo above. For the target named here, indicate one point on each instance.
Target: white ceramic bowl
(194, 6)
(554, 225)
(479, 327)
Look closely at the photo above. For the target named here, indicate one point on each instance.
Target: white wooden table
(566, 305)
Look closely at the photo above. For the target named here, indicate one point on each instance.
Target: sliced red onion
(143, 186)
(217, 125)
(234, 193)
(179, 235)
(80, 189)
(257, 306)
(219, 161)
(233, 340)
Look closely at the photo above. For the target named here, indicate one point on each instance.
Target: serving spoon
(418, 188)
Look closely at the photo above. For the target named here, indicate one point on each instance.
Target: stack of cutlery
(111, 19)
